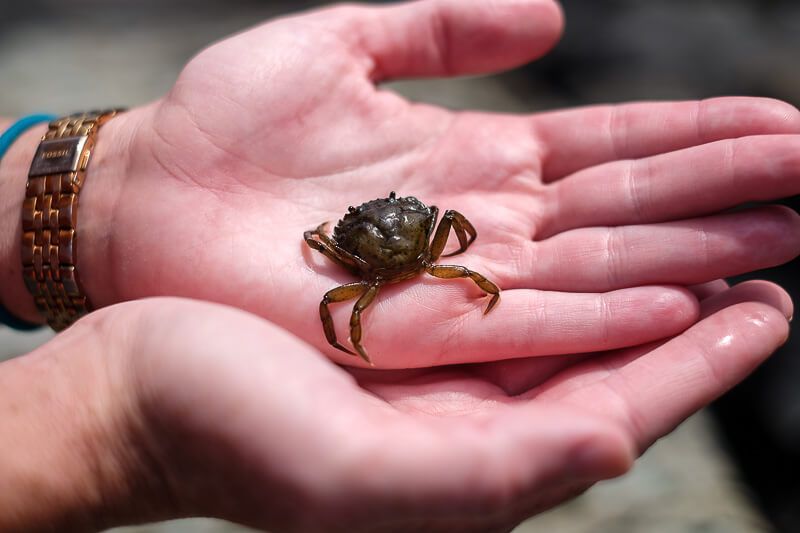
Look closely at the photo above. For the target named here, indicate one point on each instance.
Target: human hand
(165, 408)
(275, 130)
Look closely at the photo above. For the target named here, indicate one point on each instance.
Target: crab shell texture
(390, 235)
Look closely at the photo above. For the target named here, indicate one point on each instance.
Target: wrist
(73, 445)
(13, 176)
(106, 176)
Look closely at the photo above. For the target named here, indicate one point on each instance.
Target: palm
(290, 130)
(276, 407)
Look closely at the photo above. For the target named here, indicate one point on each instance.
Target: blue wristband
(20, 127)
(6, 140)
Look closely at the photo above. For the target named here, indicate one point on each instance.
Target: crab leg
(455, 271)
(339, 294)
(330, 249)
(355, 319)
(461, 226)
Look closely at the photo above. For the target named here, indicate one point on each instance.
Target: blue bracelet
(20, 127)
(6, 140)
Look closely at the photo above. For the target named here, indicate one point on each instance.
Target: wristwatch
(50, 215)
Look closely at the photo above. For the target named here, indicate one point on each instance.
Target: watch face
(58, 156)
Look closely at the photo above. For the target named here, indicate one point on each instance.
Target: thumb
(451, 37)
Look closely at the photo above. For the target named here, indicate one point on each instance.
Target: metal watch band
(50, 215)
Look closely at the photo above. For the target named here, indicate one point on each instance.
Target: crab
(386, 241)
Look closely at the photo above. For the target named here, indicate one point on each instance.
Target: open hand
(213, 412)
(585, 217)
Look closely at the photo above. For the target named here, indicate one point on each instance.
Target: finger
(441, 328)
(702, 291)
(577, 139)
(682, 253)
(655, 391)
(516, 376)
(689, 182)
(750, 291)
(451, 37)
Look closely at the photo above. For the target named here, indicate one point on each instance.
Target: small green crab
(385, 241)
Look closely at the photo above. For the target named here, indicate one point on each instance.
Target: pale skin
(590, 220)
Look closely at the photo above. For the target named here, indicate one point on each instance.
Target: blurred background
(732, 468)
